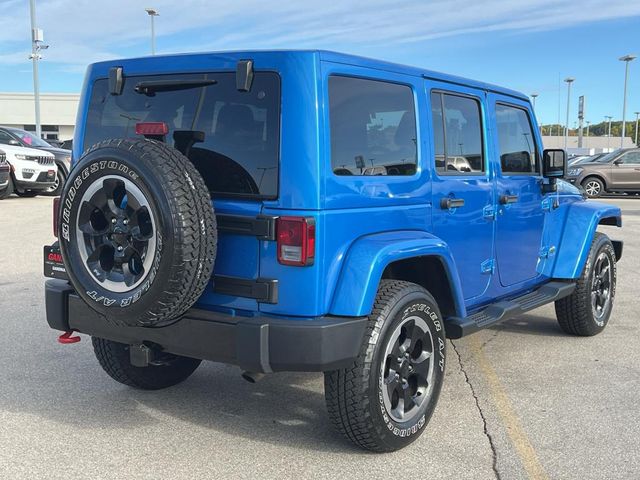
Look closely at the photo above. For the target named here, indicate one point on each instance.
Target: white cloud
(82, 31)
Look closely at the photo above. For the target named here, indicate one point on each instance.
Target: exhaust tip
(252, 377)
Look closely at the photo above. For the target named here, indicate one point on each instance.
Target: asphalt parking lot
(521, 400)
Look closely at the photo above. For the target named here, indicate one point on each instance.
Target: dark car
(618, 171)
(5, 184)
(16, 136)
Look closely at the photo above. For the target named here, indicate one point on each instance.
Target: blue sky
(522, 44)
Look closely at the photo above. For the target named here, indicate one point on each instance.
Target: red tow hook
(67, 338)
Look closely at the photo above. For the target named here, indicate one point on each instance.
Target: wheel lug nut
(119, 248)
(125, 221)
(113, 220)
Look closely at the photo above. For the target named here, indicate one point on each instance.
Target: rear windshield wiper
(151, 87)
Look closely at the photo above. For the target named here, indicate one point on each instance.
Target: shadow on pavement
(532, 325)
(283, 408)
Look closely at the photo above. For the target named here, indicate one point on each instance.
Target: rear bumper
(257, 344)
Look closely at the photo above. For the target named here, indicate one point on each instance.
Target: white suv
(32, 171)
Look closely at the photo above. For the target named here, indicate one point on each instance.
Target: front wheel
(383, 400)
(587, 310)
(593, 186)
(165, 371)
(56, 189)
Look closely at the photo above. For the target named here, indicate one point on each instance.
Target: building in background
(57, 112)
(590, 145)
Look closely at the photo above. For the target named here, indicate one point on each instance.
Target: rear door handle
(448, 203)
(507, 199)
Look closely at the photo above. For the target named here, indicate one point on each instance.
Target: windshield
(608, 157)
(29, 139)
(231, 136)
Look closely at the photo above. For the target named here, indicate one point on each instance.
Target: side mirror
(617, 161)
(14, 142)
(554, 163)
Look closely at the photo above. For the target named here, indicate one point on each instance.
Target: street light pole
(608, 118)
(533, 97)
(569, 81)
(36, 45)
(152, 13)
(637, 114)
(626, 59)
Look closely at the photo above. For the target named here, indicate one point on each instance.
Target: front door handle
(507, 199)
(448, 203)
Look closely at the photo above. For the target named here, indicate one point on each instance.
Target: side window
(373, 127)
(516, 140)
(457, 134)
(5, 137)
(632, 158)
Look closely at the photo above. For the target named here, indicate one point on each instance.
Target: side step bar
(457, 327)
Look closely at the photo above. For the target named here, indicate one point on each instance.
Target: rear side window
(232, 137)
(457, 134)
(516, 140)
(373, 127)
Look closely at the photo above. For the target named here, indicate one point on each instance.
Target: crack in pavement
(494, 452)
(498, 329)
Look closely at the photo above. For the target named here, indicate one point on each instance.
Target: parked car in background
(576, 158)
(16, 136)
(67, 144)
(5, 176)
(591, 158)
(33, 171)
(618, 171)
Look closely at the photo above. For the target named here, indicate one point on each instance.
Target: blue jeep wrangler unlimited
(313, 211)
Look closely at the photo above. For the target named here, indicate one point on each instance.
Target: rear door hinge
(489, 212)
(488, 266)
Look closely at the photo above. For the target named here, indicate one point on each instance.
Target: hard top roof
(338, 57)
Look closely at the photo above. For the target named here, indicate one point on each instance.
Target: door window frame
(538, 172)
(483, 141)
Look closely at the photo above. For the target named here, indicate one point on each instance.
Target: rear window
(232, 137)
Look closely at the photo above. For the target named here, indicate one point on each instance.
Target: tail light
(56, 212)
(296, 240)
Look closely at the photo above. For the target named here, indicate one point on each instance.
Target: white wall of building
(56, 110)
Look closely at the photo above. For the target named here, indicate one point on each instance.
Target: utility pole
(626, 59)
(586, 142)
(569, 81)
(37, 39)
(637, 114)
(152, 13)
(580, 119)
(608, 118)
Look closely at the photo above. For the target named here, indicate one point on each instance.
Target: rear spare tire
(137, 232)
